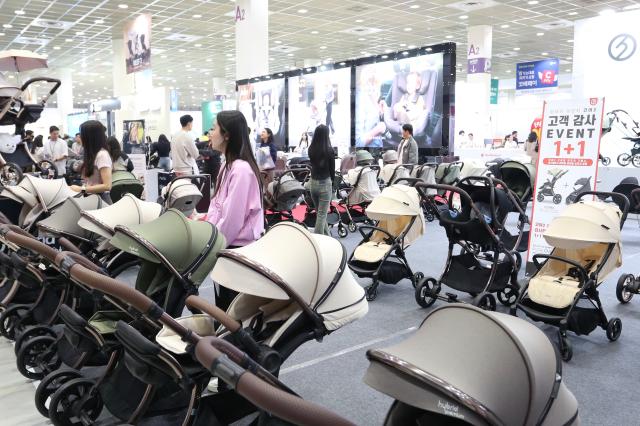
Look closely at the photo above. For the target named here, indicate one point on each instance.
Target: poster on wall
(568, 162)
(262, 104)
(534, 76)
(392, 93)
(133, 135)
(137, 43)
(320, 98)
(210, 110)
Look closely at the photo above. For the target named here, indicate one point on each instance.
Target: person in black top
(212, 158)
(323, 171)
(163, 148)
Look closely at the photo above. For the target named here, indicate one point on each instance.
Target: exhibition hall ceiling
(78, 34)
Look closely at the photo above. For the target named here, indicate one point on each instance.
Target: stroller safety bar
(364, 228)
(620, 199)
(195, 302)
(579, 268)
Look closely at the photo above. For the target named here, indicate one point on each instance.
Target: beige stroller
(392, 171)
(586, 248)
(399, 222)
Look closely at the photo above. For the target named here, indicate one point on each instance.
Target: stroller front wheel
(75, 399)
(38, 357)
(416, 278)
(30, 333)
(508, 295)
(371, 292)
(635, 160)
(342, 231)
(614, 329)
(487, 302)
(624, 159)
(557, 199)
(352, 227)
(49, 385)
(427, 292)
(10, 321)
(622, 288)
(540, 198)
(565, 349)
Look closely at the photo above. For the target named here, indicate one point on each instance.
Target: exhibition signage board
(537, 75)
(210, 111)
(137, 41)
(495, 83)
(139, 164)
(479, 40)
(567, 163)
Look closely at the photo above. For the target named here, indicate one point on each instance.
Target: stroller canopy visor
(395, 203)
(186, 245)
(583, 224)
(519, 177)
(128, 211)
(307, 263)
(466, 376)
(32, 190)
(65, 220)
(183, 195)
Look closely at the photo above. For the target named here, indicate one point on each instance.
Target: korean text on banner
(537, 75)
(568, 162)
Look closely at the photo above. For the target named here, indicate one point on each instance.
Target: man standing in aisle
(77, 146)
(56, 151)
(408, 148)
(183, 149)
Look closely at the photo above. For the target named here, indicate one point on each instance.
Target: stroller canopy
(472, 168)
(123, 182)
(182, 194)
(583, 224)
(187, 246)
(65, 220)
(285, 192)
(308, 264)
(126, 212)
(519, 177)
(48, 193)
(464, 377)
(363, 157)
(395, 207)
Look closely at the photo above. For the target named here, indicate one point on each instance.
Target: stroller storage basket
(467, 274)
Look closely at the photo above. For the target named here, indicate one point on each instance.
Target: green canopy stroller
(123, 182)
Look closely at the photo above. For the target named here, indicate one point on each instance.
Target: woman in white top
(96, 168)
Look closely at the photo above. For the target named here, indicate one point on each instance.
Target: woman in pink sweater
(236, 206)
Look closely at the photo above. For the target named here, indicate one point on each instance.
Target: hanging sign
(537, 75)
(479, 40)
(567, 164)
(495, 84)
(137, 43)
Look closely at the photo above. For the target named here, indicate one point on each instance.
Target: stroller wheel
(557, 199)
(564, 346)
(622, 289)
(570, 199)
(487, 302)
(30, 333)
(635, 160)
(352, 227)
(38, 357)
(540, 198)
(372, 292)
(508, 295)
(430, 217)
(10, 321)
(342, 231)
(416, 278)
(606, 161)
(624, 159)
(49, 385)
(427, 292)
(10, 174)
(614, 328)
(73, 401)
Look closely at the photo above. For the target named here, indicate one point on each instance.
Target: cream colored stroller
(399, 221)
(586, 248)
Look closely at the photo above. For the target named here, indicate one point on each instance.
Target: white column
(476, 115)
(65, 96)
(218, 85)
(252, 38)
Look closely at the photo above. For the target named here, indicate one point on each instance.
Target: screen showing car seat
(262, 104)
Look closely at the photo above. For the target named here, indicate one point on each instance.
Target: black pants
(225, 296)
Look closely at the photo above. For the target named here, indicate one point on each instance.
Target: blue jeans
(321, 194)
(165, 164)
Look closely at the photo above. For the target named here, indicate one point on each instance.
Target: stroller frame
(588, 291)
(357, 217)
(428, 289)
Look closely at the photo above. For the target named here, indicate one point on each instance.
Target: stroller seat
(371, 252)
(556, 292)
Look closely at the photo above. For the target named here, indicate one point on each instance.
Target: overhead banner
(210, 110)
(495, 84)
(137, 40)
(567, 164)
(534, 76)
(479, 39)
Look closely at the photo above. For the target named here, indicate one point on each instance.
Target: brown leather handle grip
(110, 286)
(267, 397)
(218, 314)
(33, 245)
(78, 258)
(69, 246)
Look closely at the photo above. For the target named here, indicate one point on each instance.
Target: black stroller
(484, 264)
(563, 292)
(548, 188)
(282, 195)
(520, 179)
(581, 185)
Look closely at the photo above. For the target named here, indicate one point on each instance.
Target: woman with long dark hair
(323, 170)
(163, 147)
(267, 141)
(236, 206)
(97, 164)
(120, 160)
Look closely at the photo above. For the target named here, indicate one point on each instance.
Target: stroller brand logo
(450, 409)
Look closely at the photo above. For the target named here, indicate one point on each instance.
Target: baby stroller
(484, 264)
(334, 218)
(448, 173)
(581, 185)
(548, 188)
(282, 196)
(184, 193)
(520, 179)
(381, 253)
(429, 389)
(563, 292)
(629, 188)
(123, 182)
(357, 190)
(632, 157)
(472, 168)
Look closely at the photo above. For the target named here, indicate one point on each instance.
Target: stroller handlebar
(218, 314)
(620, 199)
(579, 268)
(281, 404)
(32, 244)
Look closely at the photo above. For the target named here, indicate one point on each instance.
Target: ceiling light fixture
(19, 12)
(208, 60)
(321, 47)
(544, 53)
(570, 41)
(359, 21)
(79, 33)
(314, 32)
(163, 56)
(99, 21)
(408, 29)
(516, 48)
(632, 7)
(56, 47)
(197, 16)
(532, 2)
(8, 26)
(197, 45)
(277, 42)
(229, 55)
(123, 6)
(539, 34)
(167, 29)
(607, 12)
(573, 13)
(361, 39)
(302, 10)
(449, 36)
(181, 50)
(1, 34)
(504, 26)
(509, 71)
(567, 70)
(463, 17)
(414, 6)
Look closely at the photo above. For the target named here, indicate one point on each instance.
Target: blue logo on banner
(538, 74)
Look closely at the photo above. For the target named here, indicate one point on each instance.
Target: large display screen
(321, 98)
(392, 93)
(262, 104)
